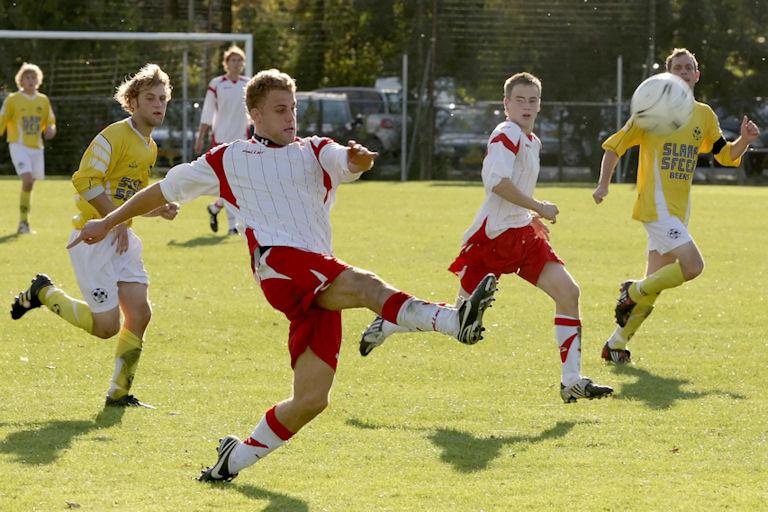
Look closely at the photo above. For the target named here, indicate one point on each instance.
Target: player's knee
(314, 404)
(140, 315)
(693, 269)
(568, 295)
(105, 331)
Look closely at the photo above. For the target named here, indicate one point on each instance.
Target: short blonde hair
(232, 50)
(265, 81)
(28, 67)
(148, 76)
(678, 52)
(523, 78)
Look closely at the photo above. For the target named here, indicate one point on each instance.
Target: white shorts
(99, 268)
(25, 159)
(666, 234)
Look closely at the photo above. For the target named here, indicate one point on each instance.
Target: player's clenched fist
(360, 158)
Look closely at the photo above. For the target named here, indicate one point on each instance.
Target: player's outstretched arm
(508, 191)
(748, 133)
(143, 202)
(360, 158)
(607, 166)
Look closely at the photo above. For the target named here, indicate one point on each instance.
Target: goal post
(182, 37)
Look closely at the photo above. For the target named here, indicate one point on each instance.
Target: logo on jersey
(100, 295)
(697, 135)
(674, 233)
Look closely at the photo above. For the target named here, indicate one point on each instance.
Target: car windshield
(335, 112)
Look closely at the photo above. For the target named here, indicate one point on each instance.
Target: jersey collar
(267, 142)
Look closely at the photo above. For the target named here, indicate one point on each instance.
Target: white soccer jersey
(514, 155)
(224, 109)
(282, 194)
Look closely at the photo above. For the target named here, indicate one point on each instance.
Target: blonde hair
(232, 50)
(678, 52)
(265, 81)
(148, 76)
(28, 67)
(523, 78)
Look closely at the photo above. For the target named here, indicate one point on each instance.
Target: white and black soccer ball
(662, 104)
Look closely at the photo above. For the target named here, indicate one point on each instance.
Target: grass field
(424, 423)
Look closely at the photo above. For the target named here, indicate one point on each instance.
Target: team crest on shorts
(100, 295)
(674, 233)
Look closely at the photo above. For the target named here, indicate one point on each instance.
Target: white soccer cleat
(373, 336)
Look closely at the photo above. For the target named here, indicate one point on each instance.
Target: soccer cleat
(373, 336)
(28, 299)
(213, 219)
(220, 471)
(471, 311)
(625, 304)
(126, 401)
(583, 388)
(615, 355)
(24, 228)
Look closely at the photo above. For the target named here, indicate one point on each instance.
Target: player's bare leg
(312, 381)
(558, 283)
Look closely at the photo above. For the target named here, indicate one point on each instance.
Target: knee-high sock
(25, 204)
(640, 312)
(568, 337)
(127, 357)
(74, 311)
(231, 222)
(668, 276)
(268, 436)
(417, 315)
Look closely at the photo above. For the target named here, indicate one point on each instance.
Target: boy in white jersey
(26, 115)
(224, 110)
(282, 188)
(664, 178)
(507, 238)
(111, 274)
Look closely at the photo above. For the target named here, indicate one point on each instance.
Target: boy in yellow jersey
(664, 176)
(111, 274)
(27, 115)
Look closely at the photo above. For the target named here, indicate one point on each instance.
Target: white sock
(231, 222)
(268, 436)
(617, 341)
(568, 337)
(417, 315)
(388, 328)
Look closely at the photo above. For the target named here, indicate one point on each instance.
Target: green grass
(424, 423)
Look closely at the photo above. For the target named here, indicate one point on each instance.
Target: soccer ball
(662, 104)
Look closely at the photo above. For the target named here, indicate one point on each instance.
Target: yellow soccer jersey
(26, 118)
(667, 162)
(117, 163)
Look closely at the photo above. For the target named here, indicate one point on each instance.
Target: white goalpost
(184, 37)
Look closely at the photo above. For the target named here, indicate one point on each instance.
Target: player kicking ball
(282, 188)
(664, 178)
(508, 236)
(111, 273)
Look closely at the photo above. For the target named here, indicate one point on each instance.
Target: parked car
(326, 114)
(379, 110)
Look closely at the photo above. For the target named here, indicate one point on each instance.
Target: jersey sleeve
(630, 135)
(333, 157)
(209, 105)
(97, 161)
(715, 142)
(499, 161)
(187, 181)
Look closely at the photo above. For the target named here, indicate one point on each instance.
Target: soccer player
(664, 177)
(111, 273)
(27, 115)
(283, 188)
(509, 237)
(224, 110)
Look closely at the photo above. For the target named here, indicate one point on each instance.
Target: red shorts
(291, 279)
(515, 251)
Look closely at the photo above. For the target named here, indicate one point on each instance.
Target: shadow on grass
(43, 443)
(467, 453)
(199, 241)
(659, 392)
(276, 500)
(7, 238)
